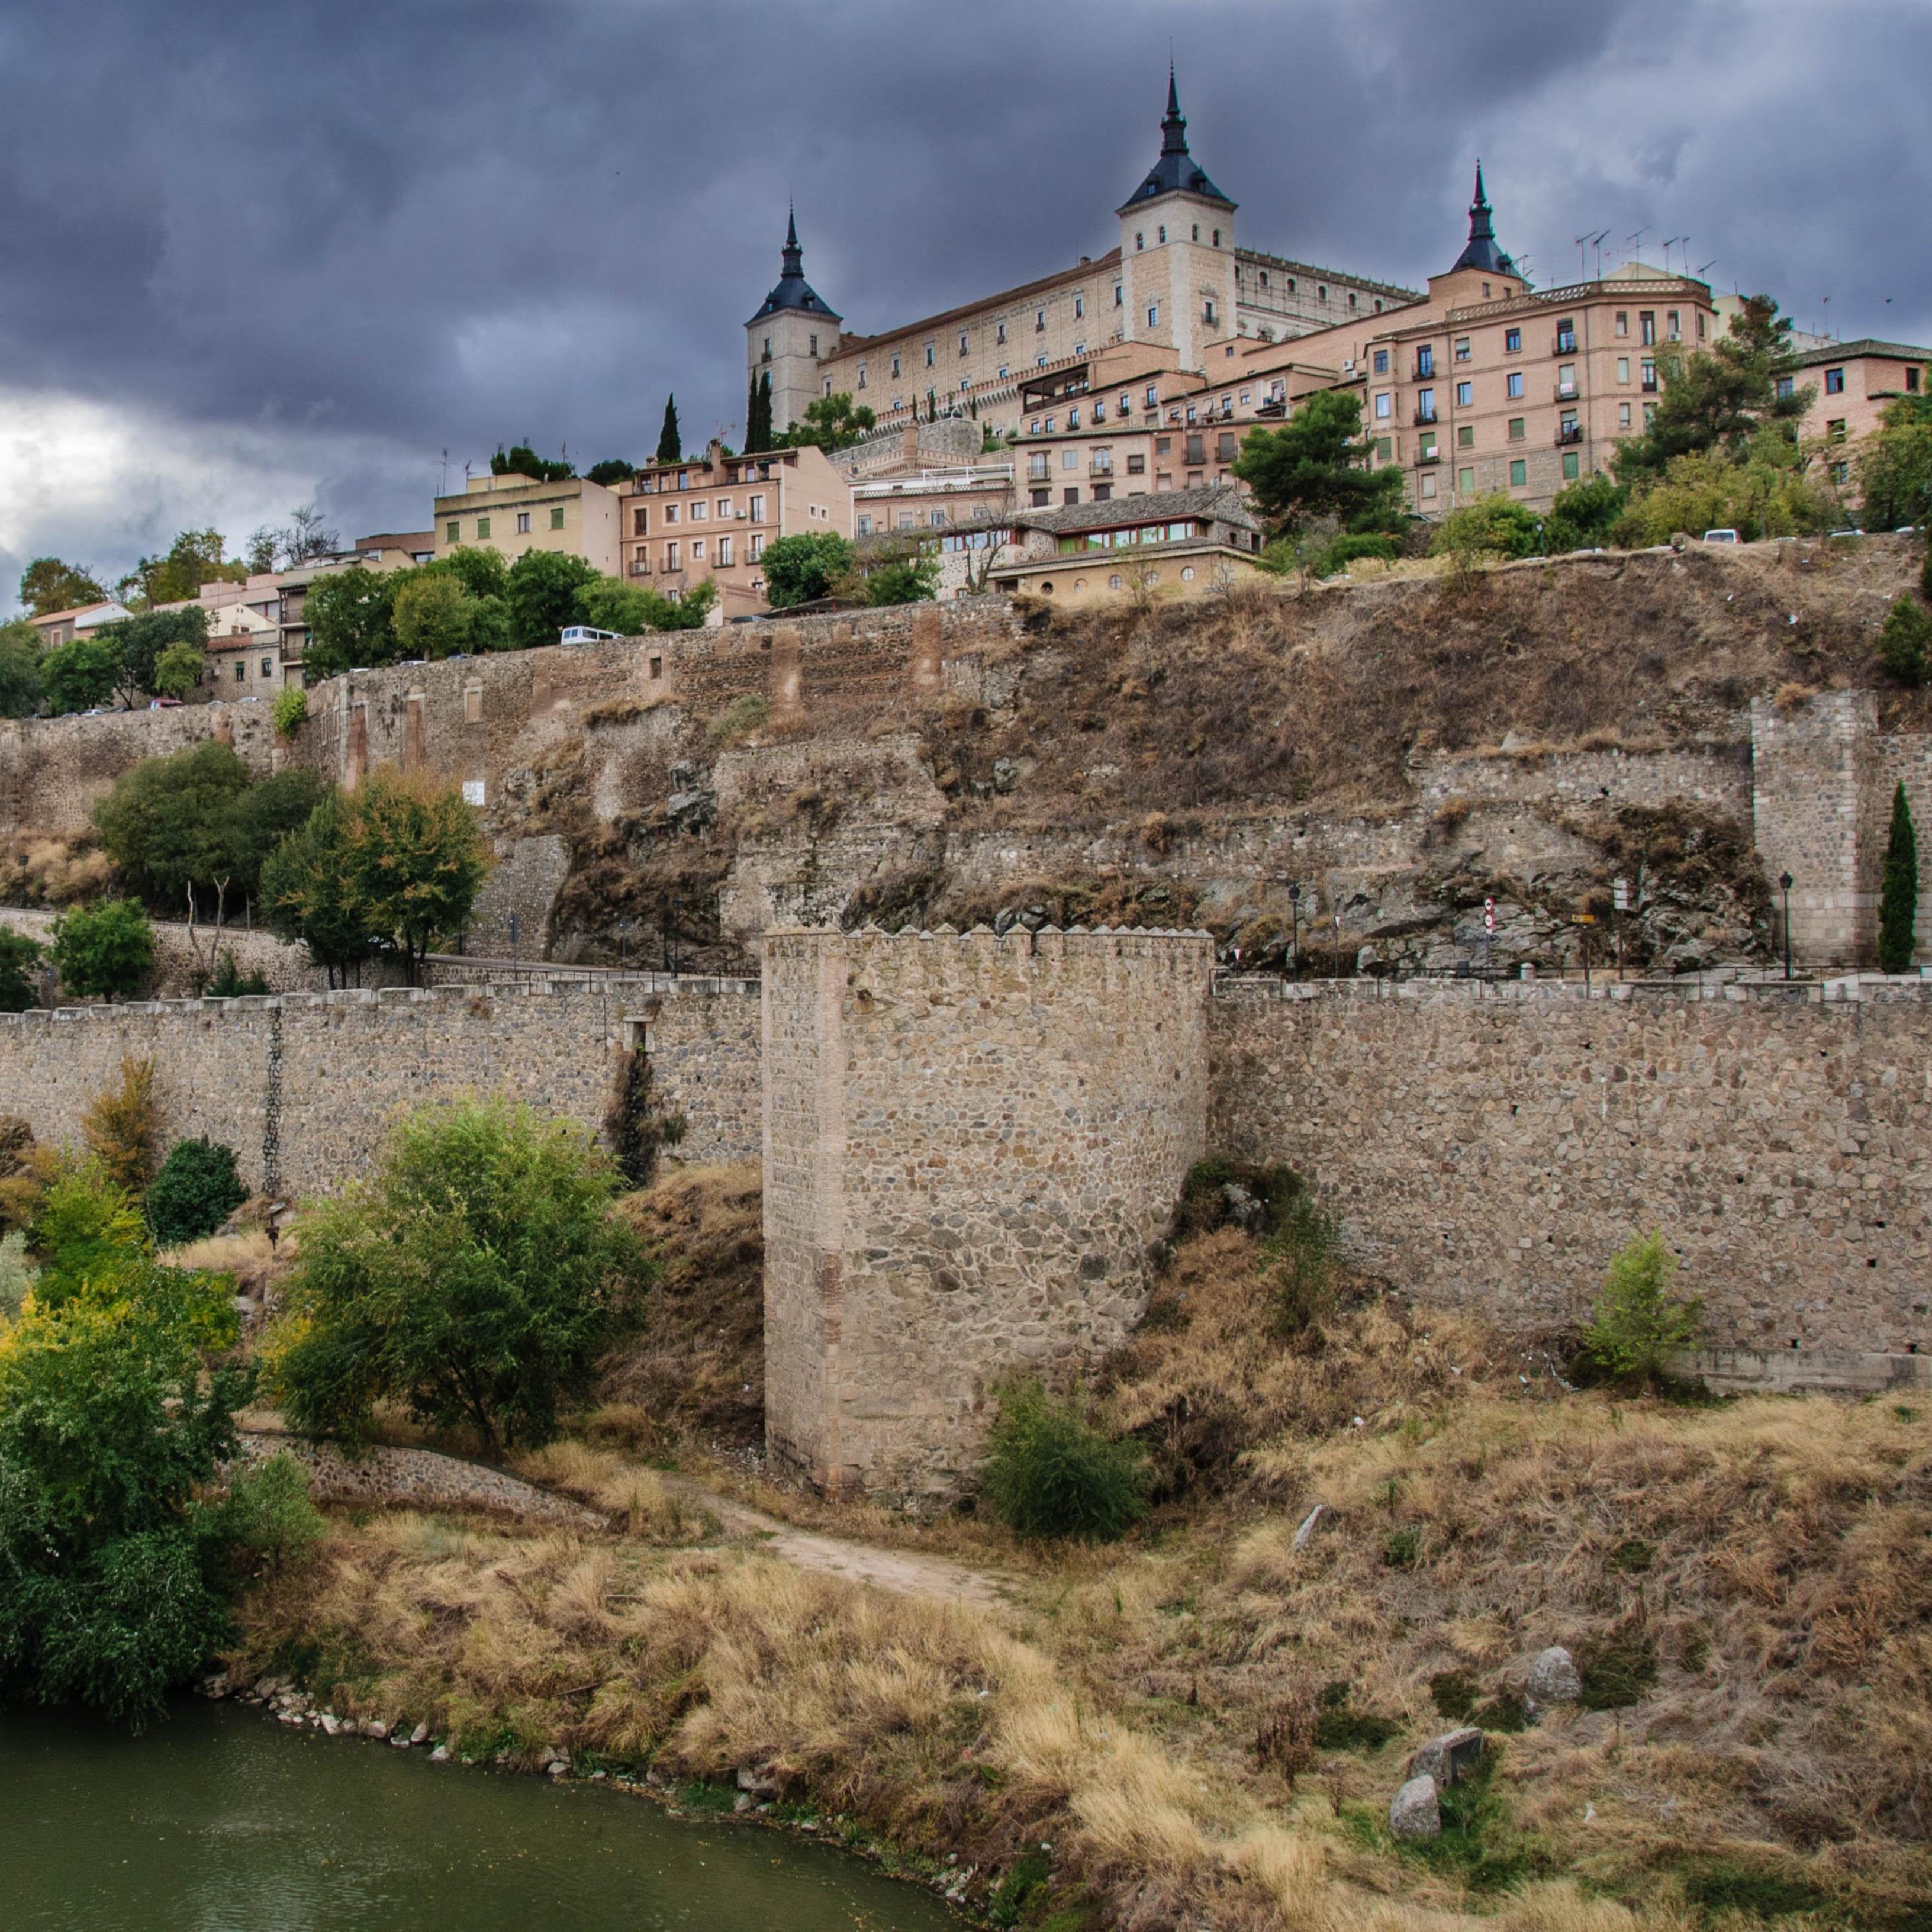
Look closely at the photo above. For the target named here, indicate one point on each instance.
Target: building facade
(1180, 544)
(512, 514)
(1851, 385)
(708, 520)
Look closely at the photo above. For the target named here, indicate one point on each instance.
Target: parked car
(1720, 536)
(164, 704)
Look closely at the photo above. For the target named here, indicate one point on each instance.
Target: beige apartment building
(709, 519)
(1180, 544)
(1174, 278)
(1851, 384)
(512, 513)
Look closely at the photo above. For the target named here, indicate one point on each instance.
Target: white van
(1720, 536)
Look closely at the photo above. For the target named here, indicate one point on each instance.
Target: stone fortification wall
(1497, 1144)
(53, 769)
(303, 1087)
(970, 1142)
(178, 955)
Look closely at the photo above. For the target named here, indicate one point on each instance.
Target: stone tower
(1177, 249)
(792, 330)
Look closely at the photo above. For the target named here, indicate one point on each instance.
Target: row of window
(697, 511)
(1177, 413)
(1145, 533)
(453, 529)
(720, 552)
(908, 520)
(1512, 388)
(1463, 351)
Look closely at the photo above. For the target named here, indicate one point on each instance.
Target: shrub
(267, 1513)
(123, 1126)
(1050, 1473)
(1285, 1740)
(84, 1228)
(1307, 1272)
(1207, 1203)
(1616, 1669)
(103, 951)
(741, 717)
(477, 1277)
(195, 1192)
(1898, 894)
(1344, 1725)
(1495, 527)
(1402, 1549)
(228, 981)
(1636, 1324)
(291, 710)
(19, 955)
(1905, 645)
(1350, 547)
(1453, 1693)
(17, 1273)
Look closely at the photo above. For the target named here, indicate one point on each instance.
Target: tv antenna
(1635, 243)
(442, 483)
(1668, 246)
(1595, 242)
(1699, 271)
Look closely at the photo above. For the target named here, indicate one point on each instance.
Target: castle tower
(1177, 249)
(793, 330)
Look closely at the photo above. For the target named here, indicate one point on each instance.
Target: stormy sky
(257, 252)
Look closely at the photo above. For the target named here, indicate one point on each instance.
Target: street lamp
(1784, 886)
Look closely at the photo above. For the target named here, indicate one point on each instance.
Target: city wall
(971, 1143)
(303, 1087)
(1494, 1145)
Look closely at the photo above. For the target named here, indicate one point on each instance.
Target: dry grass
(47, 869)
(629, 1495)
(257, 1264)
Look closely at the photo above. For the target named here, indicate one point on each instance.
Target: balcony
(1566, 392)
(1431, 454)
(1648, 386)
(1425, 369)
(1424, 416)
(1568, 433)
(1564, 345)
(1100, 469)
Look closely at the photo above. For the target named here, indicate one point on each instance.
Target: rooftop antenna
(442, 485)
(1635, 243)
(1700, 272)
(1668, 246)
(1596, 243)
(1583, 242)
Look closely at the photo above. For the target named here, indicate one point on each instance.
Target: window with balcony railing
(1566, 338)
(1425, 362)
(1425, 406)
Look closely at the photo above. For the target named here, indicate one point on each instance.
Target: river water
(221, 1820)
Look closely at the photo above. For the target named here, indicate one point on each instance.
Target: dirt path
(907, 1572)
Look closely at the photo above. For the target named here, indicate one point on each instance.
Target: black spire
(1176, 171)
(1481, 250)
(792, 290)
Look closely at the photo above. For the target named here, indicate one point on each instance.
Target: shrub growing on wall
(122, 1126)
(196, 1191)
(476, 1277)
(1905, 644)
(1638, 1324)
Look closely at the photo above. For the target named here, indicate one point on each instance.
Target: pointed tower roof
(791, 290)
(1481, 250)
(1176, 172)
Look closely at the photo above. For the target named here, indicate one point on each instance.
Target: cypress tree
(752, 445)
(671, 446)
(1898, 897)
(767, 432)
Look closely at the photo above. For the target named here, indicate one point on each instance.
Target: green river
(220, 1819)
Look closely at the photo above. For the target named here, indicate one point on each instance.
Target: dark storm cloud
(398, 229)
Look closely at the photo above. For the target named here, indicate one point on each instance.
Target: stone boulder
(1449, 1758)
(1413, 1812)
(1554, 1677)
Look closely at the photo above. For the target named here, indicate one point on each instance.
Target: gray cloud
(345, 237)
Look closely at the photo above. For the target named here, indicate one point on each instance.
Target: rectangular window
(757, 509)
(962, 342)
(1465, 436)
(1623, 416)
(814, 345)
(1462, 349)
(1381, 361)
(1513, 342)
(523, 522)
(700, 511)
(1384, 446)
(1071, 496)
(928, 355)
(724, 508)
(482, 528)
(556, 517)
(1623, 322)
(1835, 430)
(1646, 323)
(1425, 406)
(1069, 459)
(1647, 371)
(1430, 451)
(1197, 449)
(1520, 472)
(1154, 315)
(1425, 360)
(1465, 481)
(697, 550)
(1516, 429)
(1673, 327)
(1079, 306)
(1570, 466)
(671, 556)
(454, 532)
(1566, 378)
(1566, 336)
(1834, 382)
(864, 526)
(1039, 321)
(757, 545)
(1137, 465)
(1912, 379)
(1787, 386)
(1153, 396)
(1120, 295)
(1513, 382)
(861, 375)
(1384, 405)
(1226, 448)
(640, 522)
(1466, 394)
(723, 553)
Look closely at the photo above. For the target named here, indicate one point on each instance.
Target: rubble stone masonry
(971, 1144)
(1497, 1144)
(303, 1087)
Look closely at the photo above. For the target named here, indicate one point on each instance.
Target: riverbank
(1208, 1723)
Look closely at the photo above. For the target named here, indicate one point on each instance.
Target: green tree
(104, 950)
(179, 669)
(1492, 526)
(20, 962)
(482, 571)
(829, 423)
(1050, 1473)
(415, 859)
(196, 557)
(520, 459)
(904, 579)
(290, 711)
(1905, 644)
(197, 1189)
(1585, 514)
(541, 593)
(1769, 492)
(117, 1401)
(166, 822)
(22, 690)
(631, 609)
(1895, 467)
(670, 444)
(1638, 1324)
(308, 892)
(257, 821)
(800, 568)
(305, 537)
(1898, 890)
(612, 471)
(477, 1276)
(349, 614)
(434, 616)
(1719, 398)
(47, 585)
(80, 675)
(1316, 465)
(139, 642)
